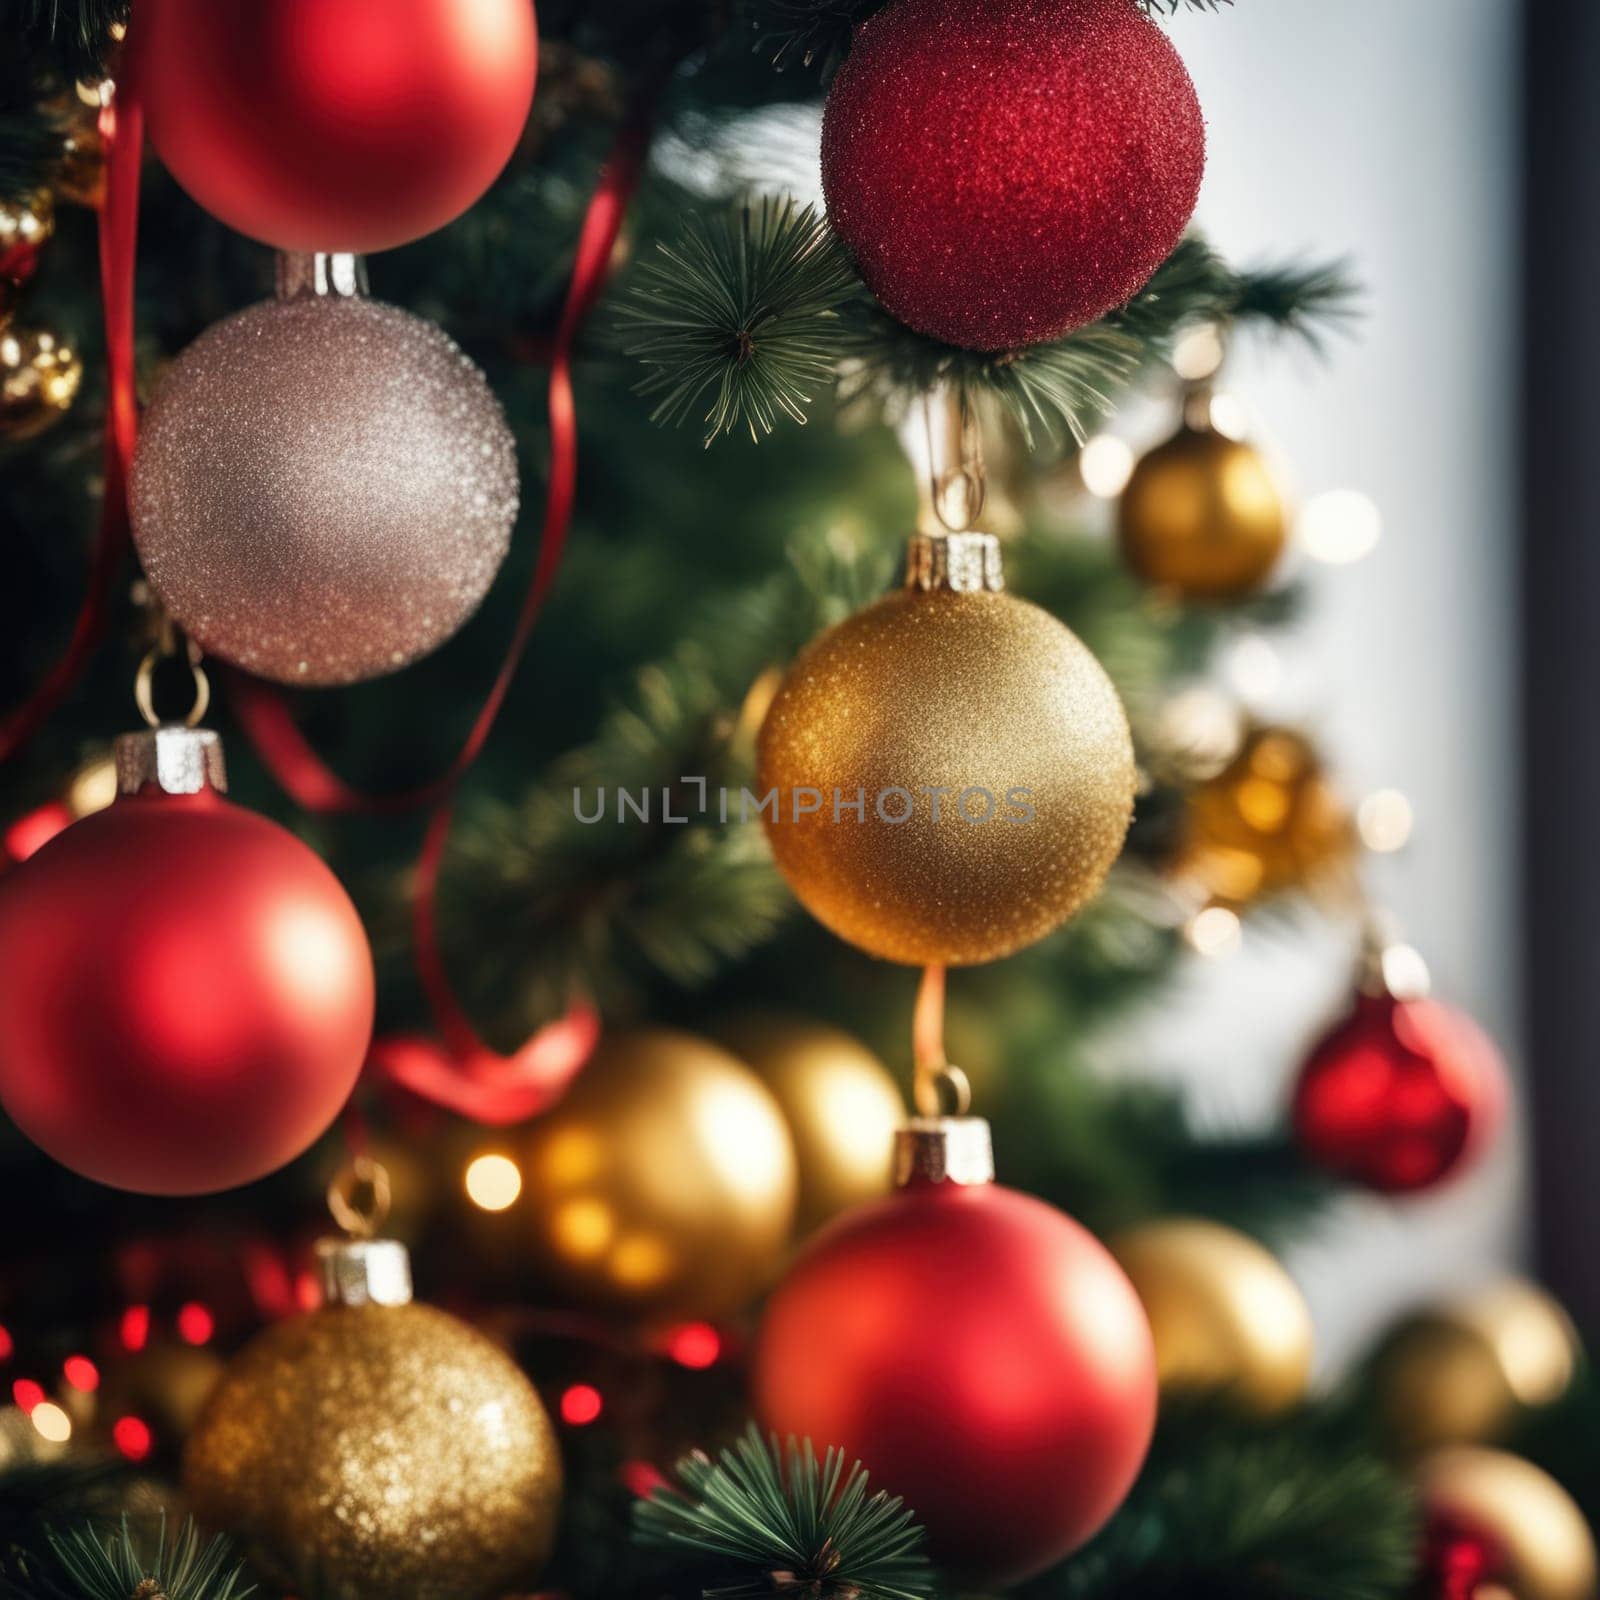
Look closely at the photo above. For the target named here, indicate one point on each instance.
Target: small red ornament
(186, 992)
(981, 1354)
(1009, 171)
(335, 125)
(1402, 1093)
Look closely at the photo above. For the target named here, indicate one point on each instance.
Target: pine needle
(116, 1566)
(745, 309)
(796, 1524)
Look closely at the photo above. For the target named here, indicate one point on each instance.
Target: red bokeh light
(81, 1373)
(135, 1327)
(695, 1344)
(195, 1323)
(641, 1478)
(131, 1437)
(27, 1394)
(7, 1348)
(581, 1404)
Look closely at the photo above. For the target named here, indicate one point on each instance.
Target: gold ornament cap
(943, 1150)
(364, 1272)
(956, 563)
(171, 758)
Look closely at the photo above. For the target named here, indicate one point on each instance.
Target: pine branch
(745, 308)
(93, 1566)
(1230, 1508)
(790, 1524)
(34, 1495)
(762, 314)
(73, 37)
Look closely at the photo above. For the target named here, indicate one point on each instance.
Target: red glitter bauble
(1400, 1094)
(335, 125)
(1009, 171)
(982, 1355)
(186, 995)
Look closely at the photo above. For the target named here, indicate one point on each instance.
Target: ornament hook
(359, 1197)
(144, 686)
(957, 487)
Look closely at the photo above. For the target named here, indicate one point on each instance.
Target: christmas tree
(700, 798)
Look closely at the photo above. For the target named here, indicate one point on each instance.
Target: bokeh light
(1339, 527)
(493, 1182)
(581, 1404)
(1105, 464)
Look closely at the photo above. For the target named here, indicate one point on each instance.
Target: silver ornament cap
(943, 1150)
(364, 1272)
(959, 563)
(172, 758)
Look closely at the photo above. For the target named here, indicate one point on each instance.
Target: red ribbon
(465, 1074)
(122, 133)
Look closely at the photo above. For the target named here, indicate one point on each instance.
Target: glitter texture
(937, 689)
(367, 1452)
(1009, 171)
(323, 489)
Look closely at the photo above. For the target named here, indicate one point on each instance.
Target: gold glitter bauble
(841, 1105)
(39, 378)
(366, 1452)
(1460, 1373)
(992, 761)
(1270, 821)
(1543, 1547)
(1224, 1313)
(24, 226)
(323, 490)
(662, 1186)
(1202, 515)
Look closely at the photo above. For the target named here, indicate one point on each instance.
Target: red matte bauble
(1006, 172)
(982, 1355)
(335, 125)
(1400, 1095)
(186, 995)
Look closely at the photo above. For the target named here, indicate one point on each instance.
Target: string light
(132, 1437)
(134, 1329)
(1339, 527)
(81, 1373)
(1214, 931)
(1384, 820)
(493, 1182)
(581, 1404)
(195, 1323)
(51, 1422)
(695, 1344)
(1105, 464)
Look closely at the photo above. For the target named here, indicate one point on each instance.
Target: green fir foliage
(788, 1523)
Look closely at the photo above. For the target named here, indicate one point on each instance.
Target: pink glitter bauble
(323, 490)
(1007, 172)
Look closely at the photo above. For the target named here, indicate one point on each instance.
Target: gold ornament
(376, 1448)
(662, 1186)
(988, 752)
(39, 376)
(1544, 1545)
(1201, 513)
(1224, 1313)
(842, 1107)
(1270, 821)
(166, 1386)
(1459, 1373)
(25, 225)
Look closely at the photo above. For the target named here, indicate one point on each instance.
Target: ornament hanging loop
(958, 483)
(359, 1197)
(144, 682)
